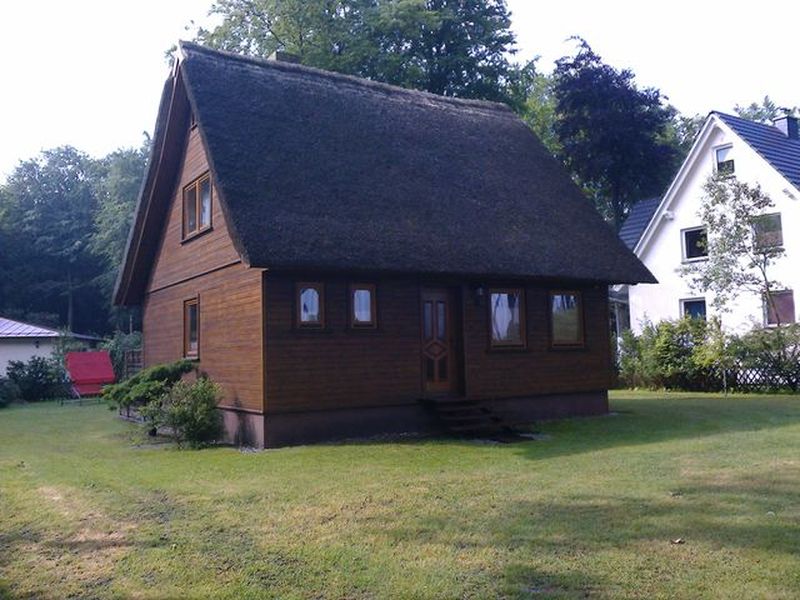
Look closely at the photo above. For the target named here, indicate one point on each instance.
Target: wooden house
(333, 250)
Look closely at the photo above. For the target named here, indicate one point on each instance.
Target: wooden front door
(439, 357)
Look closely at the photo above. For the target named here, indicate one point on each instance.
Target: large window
(310, 305)
(191, 328)
(507, 317)
(694, 308)
(566, 319)
(768, 231)
(362, 305)
(780, 310)
(723, 158)
(694, 243)
(197, 206)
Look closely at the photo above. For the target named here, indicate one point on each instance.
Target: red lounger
(89, 371)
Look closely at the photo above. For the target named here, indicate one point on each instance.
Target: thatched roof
(325, 171)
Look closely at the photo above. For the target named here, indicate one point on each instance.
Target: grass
(589, 511)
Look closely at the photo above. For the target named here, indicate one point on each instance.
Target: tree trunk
(70, 301)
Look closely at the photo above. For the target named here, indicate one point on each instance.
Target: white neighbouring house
(665, 234)
(22, 341)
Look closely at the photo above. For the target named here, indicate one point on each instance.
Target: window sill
(568, 347)
(688, 261)
(508, 350)
(193, 358)
(197, 234)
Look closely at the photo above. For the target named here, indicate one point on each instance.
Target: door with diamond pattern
(439, 367)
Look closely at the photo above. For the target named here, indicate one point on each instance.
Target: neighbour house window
(781, 309)
(362, 305)
(197, 206)
(724, 160)
(191, 328)
(310, 305)
(566, 319)
(768, 232)
(694, 243)
(694, 308)
(506, 313)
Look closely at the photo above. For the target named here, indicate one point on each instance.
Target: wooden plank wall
(538, 369)
(339, 367)
(231, 309)
(176, 261)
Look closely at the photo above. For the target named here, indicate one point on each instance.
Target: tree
(449, 47)
(614, 136)
(765, 112)
(539, 112)
(741, 250)
(48, 213)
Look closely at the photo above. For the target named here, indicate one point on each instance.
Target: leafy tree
(48, 211)
(764, 112)
(740, 254)
(614, 136)
(539, 112)
(448, 47)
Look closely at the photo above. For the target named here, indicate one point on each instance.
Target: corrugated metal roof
(782, 152)
(634, 226)
(16, 329)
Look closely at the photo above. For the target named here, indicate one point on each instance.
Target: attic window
(197, 206)
(695, 243)
(724, 160)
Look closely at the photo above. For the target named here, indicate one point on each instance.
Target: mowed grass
(590, 511)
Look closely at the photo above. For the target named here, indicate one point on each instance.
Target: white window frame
(683, 301)
(715, 151)
(684, 255)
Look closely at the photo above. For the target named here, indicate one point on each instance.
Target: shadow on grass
(549, 542)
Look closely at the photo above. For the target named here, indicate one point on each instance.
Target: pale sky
(89, 72)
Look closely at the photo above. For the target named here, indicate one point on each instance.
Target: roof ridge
(354, 80)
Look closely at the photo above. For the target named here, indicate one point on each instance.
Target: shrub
(9, 392)
(118, 345)
(148, 385)
(190, 411)
(38, 379)
(772, 352)
(669, 354)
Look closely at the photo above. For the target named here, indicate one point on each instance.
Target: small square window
(191, 328)
(197, 198)
(724, 160)
(781, 310)
(695, 243)
(566, 319)
(362, 305)
(310, 305)
(768, 232)
(506, 314)
(694, 308)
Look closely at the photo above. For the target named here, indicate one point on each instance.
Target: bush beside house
(695, 355)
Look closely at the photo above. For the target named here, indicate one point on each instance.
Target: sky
(89, 72)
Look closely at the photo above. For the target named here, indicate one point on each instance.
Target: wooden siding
(231, 310)
(176, 261)
(341, 368)
(337, 366)
(539, 368)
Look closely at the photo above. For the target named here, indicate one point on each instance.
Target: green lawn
(589, 511)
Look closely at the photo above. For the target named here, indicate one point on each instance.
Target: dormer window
(695, 243)
(724, 160)
(197, 206)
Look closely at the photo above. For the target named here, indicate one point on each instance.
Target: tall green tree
(614, 135)
(48, 213)
(449, 47)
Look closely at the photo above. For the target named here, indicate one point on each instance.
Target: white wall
(664, 255)
(23, 349)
